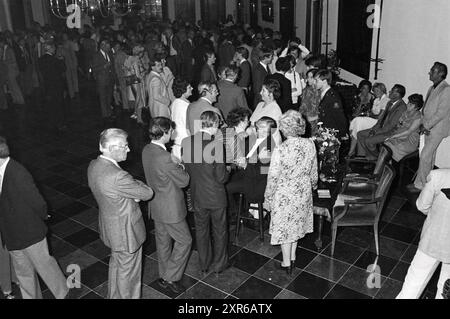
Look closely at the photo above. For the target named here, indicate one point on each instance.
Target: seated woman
(406, 138)
(270, 92)
(289, 193)
(310, 102)
(368, 110)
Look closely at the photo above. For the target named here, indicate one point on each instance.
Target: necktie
(235, 148)
(385, 114)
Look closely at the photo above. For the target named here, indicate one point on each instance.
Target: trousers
(125, 275)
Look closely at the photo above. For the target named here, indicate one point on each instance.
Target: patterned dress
(292, 177)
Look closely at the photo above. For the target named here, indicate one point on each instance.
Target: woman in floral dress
(291, 180)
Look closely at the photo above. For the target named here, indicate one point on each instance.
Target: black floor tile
(249, 261)
(202, 291)
(400, 233)
(368, 259)
(255, 288)
(341, 292)
(400, 271)
(186, 281)
(310, 286)
(344, 252)
(303, 257)
(73, 209)
(79, 192)
(82, 237)
(94, 275)
(65, 186)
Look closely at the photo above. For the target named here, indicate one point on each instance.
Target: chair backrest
(384, 157)
(384, 185)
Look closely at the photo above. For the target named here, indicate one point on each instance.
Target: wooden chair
(364, 211)
(384, 158)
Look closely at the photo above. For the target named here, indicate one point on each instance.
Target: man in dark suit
(168, 209)
(187, 57)
(121, 225)
(52, 75)
(208, 96)
(369, 140)
(331, 111)
(260, 72)
(23, 213)
(103, 69)
(231, 96)
(204, 158)
(285, 100)
(245, 69)
(226, 51)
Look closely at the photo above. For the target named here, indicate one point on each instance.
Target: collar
(205, 131)
(437, 84)
(3, 167)
(243, 60)
(228, 80)
(325, 92)
(111, 160)
(264, 65)
(158, 74)
(159, 144)
(206, 99)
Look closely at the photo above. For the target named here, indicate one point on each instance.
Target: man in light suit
(168, 209)
(434, 245)
(204, 158)
(157, 91)
(231, 96)
(121, 224)
(368, 140)
(23, 213)
(436, 121)
(103, 69)
(208, 96)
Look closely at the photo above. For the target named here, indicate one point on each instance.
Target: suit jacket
(158, 95)
(437, 110)
(22, 209)
(245, 75)
(391, 116)
(167, 180)
(285, 100)
(225, 53)
(231, 97)
(259, 75)
(102, 69)
(435, 237)
(208, 75)
(121, 225)
(194, 112)
(331, 113)
(51, 70)
(204, 159)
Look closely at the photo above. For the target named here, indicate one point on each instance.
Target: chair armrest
(363, 201)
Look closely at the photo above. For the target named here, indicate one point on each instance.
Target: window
(267, 10)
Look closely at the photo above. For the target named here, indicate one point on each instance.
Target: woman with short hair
(289, 193)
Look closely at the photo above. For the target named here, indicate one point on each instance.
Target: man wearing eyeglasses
(121, 225)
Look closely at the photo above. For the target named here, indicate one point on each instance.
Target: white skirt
(361, 123)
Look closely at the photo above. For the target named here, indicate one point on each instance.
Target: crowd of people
(229, 112)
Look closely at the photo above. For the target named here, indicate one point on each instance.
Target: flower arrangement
(328, 145)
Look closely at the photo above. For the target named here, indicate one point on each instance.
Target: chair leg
(261, 221)
(238, 222)
(333, 238)
(377, 244)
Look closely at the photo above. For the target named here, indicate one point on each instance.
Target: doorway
(287, 17)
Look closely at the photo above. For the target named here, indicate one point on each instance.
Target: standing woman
(310, 102)
(135, 74)
(289, 192)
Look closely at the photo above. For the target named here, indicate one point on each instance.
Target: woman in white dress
(182, 91)
(270, 91)
(134, 66)
(361, 123)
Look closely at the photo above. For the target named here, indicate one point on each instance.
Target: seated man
(253, 179)
(368, 140)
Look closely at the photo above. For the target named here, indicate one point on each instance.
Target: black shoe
(288, 269)
(176, 287)
(162, 283)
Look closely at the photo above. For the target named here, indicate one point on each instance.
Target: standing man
(173, 44)
(231, 96)
(103, 69)
(283, 65)
(157, 91)
(245, 69)
(204, 158)
(168, 209)
(187, 56)
(121, 225)
(436, 121)
(119, 62)
(260, 72)
(51, 73)
(23, 213)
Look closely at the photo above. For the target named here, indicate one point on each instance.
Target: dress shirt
(2, 173)
(105, 55)
(255, 147)
(265, 66)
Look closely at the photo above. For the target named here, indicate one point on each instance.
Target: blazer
(194, 112)
(245, 75)
(432, 201)
(207, 74)
(225, 53)
(23, 211)
(167, 180)
(121, 225)
(285, 99)
(204, 159)
(157, 95)
(391, 116)
(231, 97)
(259, 75)
(331, 113)
(437, 110)
(102, 69)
